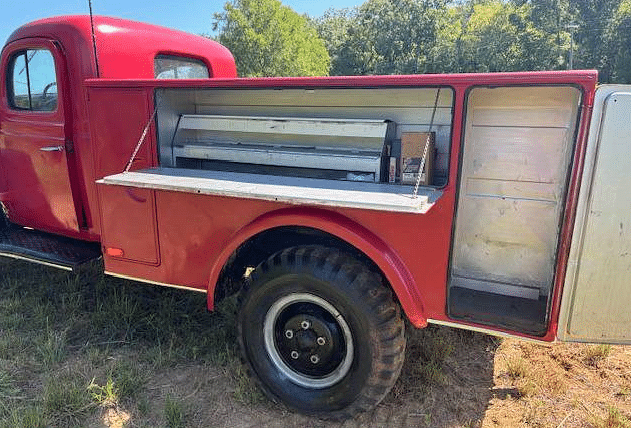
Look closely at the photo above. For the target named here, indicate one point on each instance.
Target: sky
(193, 16)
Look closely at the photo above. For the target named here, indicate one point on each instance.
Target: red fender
(345, 229)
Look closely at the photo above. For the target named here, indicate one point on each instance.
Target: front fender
(343, 228)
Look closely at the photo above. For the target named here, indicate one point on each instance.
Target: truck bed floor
(46, 248)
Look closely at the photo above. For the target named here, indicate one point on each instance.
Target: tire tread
(367, 287)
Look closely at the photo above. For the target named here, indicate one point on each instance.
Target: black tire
(320, 332)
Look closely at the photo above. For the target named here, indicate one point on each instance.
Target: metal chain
(424, 158)
(142, 139)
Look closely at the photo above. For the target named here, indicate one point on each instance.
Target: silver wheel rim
(269, 328)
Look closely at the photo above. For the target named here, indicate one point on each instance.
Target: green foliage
(245, 390)
(270, 39)
(618, 35)
(499, 36)
(52, 347)
(58, 330)
(614, 419)
(383, 37)
(427, 353)
(104, 396)
(7, 388)
(129, 379)
(591, 44)
(430, 36)
(174, 413)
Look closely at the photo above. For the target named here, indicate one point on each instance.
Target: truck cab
(46, 164)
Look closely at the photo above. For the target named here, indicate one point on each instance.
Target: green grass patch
(66, 401)
(105, 395)
(246, 391)
(174, 413)
(51, 347)
(65, 329)
(25, 417)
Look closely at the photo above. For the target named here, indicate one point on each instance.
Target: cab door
(35, 137)
(597, 292)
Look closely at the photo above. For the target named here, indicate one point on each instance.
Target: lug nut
(294, 355)
(321, 341)
(289, 334)
(314, 359)
(305, 324)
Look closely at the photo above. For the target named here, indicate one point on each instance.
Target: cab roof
(126, 49)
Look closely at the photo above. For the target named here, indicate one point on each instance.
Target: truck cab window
(32, 81)
(174, 67)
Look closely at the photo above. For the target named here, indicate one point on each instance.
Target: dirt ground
(175, 365)
(481, 382)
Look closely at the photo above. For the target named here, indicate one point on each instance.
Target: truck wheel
(320, 332)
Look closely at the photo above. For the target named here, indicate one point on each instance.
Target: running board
(45, 248)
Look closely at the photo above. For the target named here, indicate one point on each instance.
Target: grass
(613, 419)
(426, 355)
(65, 400)
(174, 414)
(245, 390)
(86, 341)
(517, 367)
(104, 395)
(25, 417)
(8, 390)
(594, 354)
(78, 349)
(51, 347)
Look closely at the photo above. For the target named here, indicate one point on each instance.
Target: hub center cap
(306, 340)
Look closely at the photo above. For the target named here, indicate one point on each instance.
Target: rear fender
(391, 266)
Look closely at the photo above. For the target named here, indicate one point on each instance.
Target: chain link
(424, 158)
(142, 139)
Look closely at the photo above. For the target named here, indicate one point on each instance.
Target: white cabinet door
(596, 303)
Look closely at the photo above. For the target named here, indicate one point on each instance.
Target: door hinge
(69, 146)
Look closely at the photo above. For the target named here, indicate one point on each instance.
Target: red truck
(336, 206)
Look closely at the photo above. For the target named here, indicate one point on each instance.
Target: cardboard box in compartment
(412, 148)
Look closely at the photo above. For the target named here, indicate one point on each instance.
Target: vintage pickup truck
(336, 206)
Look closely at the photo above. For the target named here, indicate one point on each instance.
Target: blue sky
(193, 16)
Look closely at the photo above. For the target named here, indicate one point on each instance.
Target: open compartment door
(597, 292)
(517, 149)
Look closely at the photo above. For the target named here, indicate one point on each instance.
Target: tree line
(268, 38)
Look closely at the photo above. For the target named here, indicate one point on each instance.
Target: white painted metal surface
(369, 163)
(372, 196)
(286, 125)
(354, 146)
(517, 148)
(596, 299)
